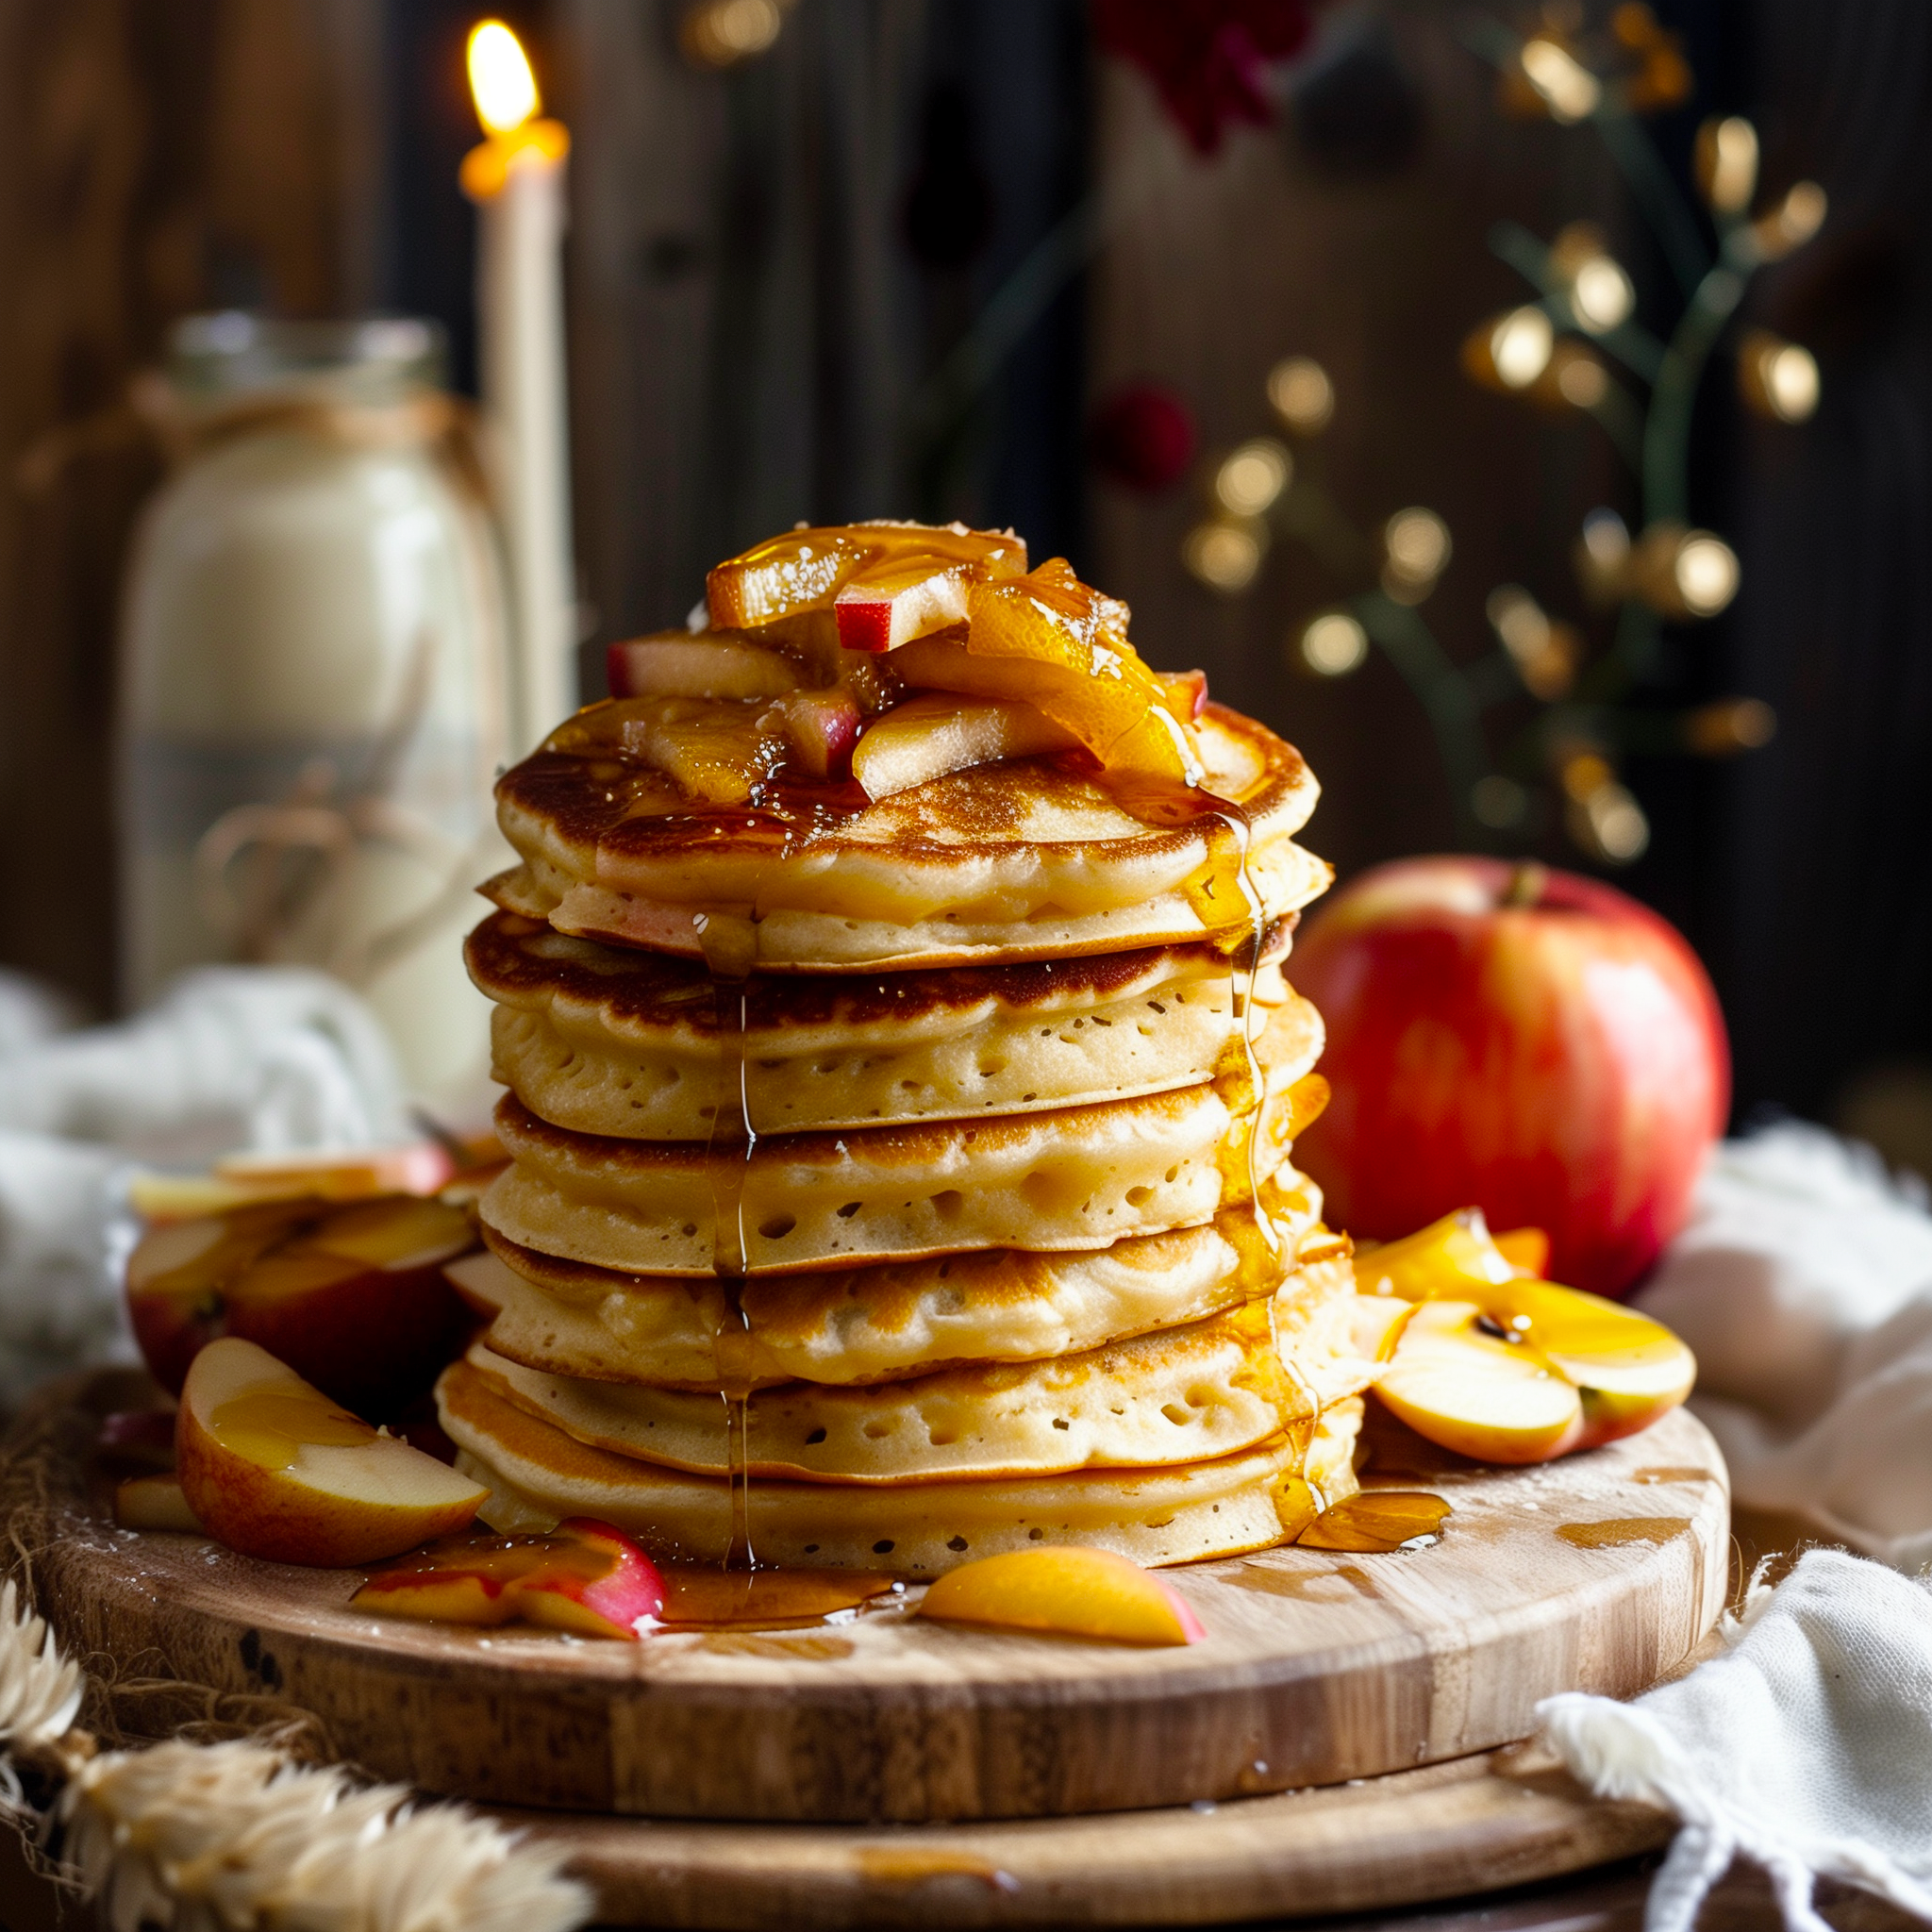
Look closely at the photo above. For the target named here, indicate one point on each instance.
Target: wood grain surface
(1597, 1573)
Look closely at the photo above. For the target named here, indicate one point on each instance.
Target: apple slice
(1186, 692)
(1526, 1250)
(1068, 1591)
(1629, 1369)
(1375, 1323)
(879, 610)
(585, 1576)
(819, 729)
(274, 1469)
(154, 1502)
(805, 569)
(1461, 1386)
(676, 664)
(352, 1296)
(237, 1180)
(1454, 1256)
(926, 736)
(719, 751)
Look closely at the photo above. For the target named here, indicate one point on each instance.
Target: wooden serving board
(1597, 1573)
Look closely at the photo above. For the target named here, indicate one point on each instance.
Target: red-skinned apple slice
(1068, 1592)
(1464, 1389)
(676, 664)
(352, 1296)
(274, 1469)
(585, 1576)
(928, 737)
(879, 610)
(821, 727)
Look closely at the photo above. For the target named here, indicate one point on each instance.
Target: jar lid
(372, 359)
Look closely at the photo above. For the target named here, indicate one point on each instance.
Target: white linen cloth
(262, 1058)
(1807, 1746)
(1803, 1286)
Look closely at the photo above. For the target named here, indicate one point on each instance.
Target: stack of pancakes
(963, 1219)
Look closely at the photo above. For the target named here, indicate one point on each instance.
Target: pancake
(610, 1040)
(874, 1324)
(1187, 1395)
(538, 1475)
(1027, 860)
(1081, 1178)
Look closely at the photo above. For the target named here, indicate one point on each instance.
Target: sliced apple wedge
(239, 1180)
(1525, 1249)
(154, 1502)
(1454, 1256)
(1459, 1385)
(819, 729)
(273, 1468)
(352, 1296)
(881, 609)
(676, 664)
(926, 736)
(584, 1577)
(1069, 1591)
(719, 750)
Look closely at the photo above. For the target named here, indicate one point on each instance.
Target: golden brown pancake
(538, 1475)
(613, 1041)
(1027, 859)
(1186, 1394)
(1081, 1177)
(876, 1323)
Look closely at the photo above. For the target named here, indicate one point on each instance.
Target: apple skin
(1559, 1062)
(340, 1504)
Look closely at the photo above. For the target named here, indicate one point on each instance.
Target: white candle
(516, 179)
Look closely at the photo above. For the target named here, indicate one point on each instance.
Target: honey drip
(1376, 1521)
(698, 1598)
(270, 1428)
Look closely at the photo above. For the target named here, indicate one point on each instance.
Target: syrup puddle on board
(1615, 1532)
(1378, 1522)
(698, 1597)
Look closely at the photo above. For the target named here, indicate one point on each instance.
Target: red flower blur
(1208, 57)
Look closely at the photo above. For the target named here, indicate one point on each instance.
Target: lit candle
(516, 179)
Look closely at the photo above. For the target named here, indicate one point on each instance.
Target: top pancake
(1029, 858)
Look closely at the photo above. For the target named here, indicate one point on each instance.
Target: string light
(1599, 294)
(1576, 376)
(1225, 552)
(1512, 350)
(1568, 89)
(1705, 572)
(720, 33)
(1792, 223)
(1777, 379)
(1333, 643)
(1252, 475)
(1416, 549)
(1545, 653)
(1726, 164)
(1602, 557)
(1302, 394)
(1730, 725)
(1600, 813)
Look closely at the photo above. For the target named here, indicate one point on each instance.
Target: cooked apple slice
(353, 1297)
(583, 1577)
(154, 1502)
(1186, 692)
(820, 727)
(926, 736)
(719, 750)
(880, 610)
(1629, 1369)
(1454, 1256)
(676, 664)
(805, 569)
(273, 1468)
(1458, 1385)
(1070, 1592)
(239, 1181)
(1526, 1250)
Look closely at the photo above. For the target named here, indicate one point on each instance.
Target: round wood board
(1598, 1573)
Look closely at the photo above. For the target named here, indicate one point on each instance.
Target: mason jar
(314, 680)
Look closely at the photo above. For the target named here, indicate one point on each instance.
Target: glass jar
(313, 681)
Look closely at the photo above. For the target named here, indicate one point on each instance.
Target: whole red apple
(1518, 1040)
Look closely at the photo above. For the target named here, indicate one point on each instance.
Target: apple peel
(1065, 1591)
(585, 1577)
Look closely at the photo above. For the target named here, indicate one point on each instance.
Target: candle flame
(501, 82)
